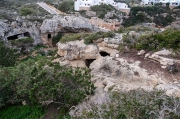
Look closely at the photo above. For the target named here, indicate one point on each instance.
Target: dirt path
(151, 66)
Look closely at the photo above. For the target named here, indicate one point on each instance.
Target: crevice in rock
(88, 62)
(104, 54)
(16, 36)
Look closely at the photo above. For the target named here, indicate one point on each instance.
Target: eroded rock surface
(77, 50)
(19, 28)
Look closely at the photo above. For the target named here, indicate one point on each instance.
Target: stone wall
(127, 11)
(84, 8)
(101, 23)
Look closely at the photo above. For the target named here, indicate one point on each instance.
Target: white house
(149, 2)
(174, 3)
(86, 4)
(164, 1)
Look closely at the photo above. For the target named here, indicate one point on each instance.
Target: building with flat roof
(86, 4)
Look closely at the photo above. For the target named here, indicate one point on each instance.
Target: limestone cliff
(64, 24)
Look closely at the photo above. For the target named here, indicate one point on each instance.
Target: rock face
(160, 57)
(77, 50)
(19, 28)
(118, 74)
(117, 39)
(64, 24)
(112, 73)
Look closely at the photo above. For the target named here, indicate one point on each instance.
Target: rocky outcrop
(77, 50)
(3, 29)
(117, 39)
(19, 28)
(161, 58)
(118, 74)
(64, 24)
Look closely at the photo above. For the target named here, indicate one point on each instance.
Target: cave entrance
(49, 36)
(104, 54)
(27, 34)
(16, 36)
(88, 62)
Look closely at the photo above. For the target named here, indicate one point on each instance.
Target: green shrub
(88, 37)
(66, 6)
(38, 82)
(22, 112)
(7, 56)
(56, 38)
(102, 9)
(142, 14)
(22, 41)
(94, 36)
(136, 104)
(71, 37)
(26, 11)
(169, 39)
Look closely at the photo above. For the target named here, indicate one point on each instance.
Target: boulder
(117, 39)
(165, 62)
(90, 13)
(141, 52)
(76, 50)
(163, 52)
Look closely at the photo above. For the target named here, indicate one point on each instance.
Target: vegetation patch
(137, 104)
(41, 82)
(7, 56)
(169, 39)
(102, 9)
(66, 6)
(88, 37)
(22, 41)
(160, 15)
(56, 38)
(22, 112)
(26, 11)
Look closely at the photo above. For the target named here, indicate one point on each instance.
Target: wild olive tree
(43, 82)
(7, 55)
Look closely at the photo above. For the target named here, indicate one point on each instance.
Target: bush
(22, 41)
(66, 6)
(102, 9)
(22, 112)
(137, 104)
(88, 38)
(143, 14)
(26, 11)
(7, 56)
(169, 39)
(95, 36)
(71, 37)
(43, 82)
(56, 38)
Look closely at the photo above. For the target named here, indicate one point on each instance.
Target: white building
(149, 2)
(174, 3)
(86, 4)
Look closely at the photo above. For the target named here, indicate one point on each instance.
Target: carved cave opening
(88, 62)
(104, 54)
(49, 36)
(16, 36)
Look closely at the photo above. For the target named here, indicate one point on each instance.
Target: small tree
(56, 38)
(66, 6)
(7, 56)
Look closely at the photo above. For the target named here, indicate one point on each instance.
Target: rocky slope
(114, 72)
